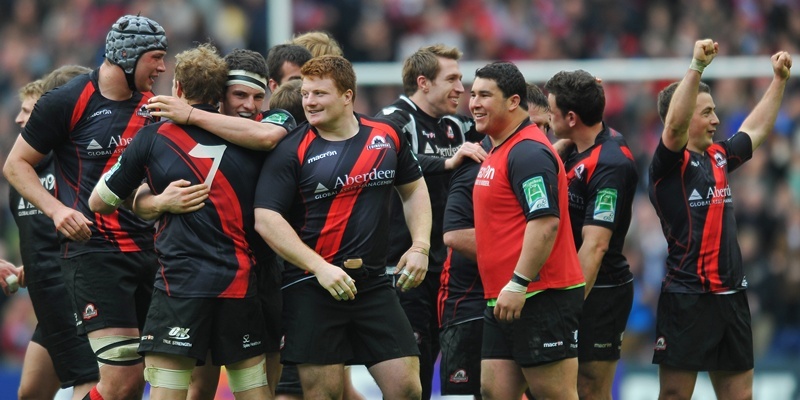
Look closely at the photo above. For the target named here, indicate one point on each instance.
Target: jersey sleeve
(533, 174)
(609, 185)
(458, 213)
(664, 160)
(129, 171)
(48, 125)
(277, 183)
(739, 148)
(408, 167)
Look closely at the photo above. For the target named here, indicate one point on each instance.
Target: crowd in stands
(37, 36)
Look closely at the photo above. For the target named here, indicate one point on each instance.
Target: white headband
(242, 77)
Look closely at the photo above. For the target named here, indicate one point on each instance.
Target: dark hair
(579, 92)
(336, 68)
(536, 97)
(288, 97)
(665, 97)
(281, 53)
(247, 60)
(508, 78)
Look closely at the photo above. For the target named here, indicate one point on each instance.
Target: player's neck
(112, 83)
(419, 100)
(514, 121)
(341, 129)
(585, 136)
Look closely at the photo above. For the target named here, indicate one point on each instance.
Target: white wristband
(514, 287)
(698, 65)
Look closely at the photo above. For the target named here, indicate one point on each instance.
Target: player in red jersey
(526, 255)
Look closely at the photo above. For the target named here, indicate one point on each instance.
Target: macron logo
(695, 196)
(93, 145)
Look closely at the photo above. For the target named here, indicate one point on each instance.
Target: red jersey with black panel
(87, 133)
(336, 194)
(602, 184)
(520, 180)
(693, 199)
(205, 253)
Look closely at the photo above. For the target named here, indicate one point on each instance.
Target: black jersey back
(433, 140)
(693, 199)
(204, 253)
(461, 291)
(38, 242)
(335, 194)
(602, 185)
(87, 132)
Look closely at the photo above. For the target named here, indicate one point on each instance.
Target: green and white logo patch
(605, 205)
(277, 118)
(535, 194)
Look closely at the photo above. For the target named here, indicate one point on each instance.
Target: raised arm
(241, 131)
(682, 105)
(760, 122)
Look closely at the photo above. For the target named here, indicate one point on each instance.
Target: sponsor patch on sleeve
(535, 194)
(605, 205)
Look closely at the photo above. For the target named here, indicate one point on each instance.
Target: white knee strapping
(247, 378)
(176, 379)
(116, 350)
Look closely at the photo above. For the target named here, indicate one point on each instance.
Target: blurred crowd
(39, 35)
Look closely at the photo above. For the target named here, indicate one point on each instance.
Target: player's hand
(509, 306)
(170, 107)
(22, 282)
(412, 268)
(705, 50)
(6, 270)
(340, 285)
(782, 65)
(181, 197)
(72, 224)
(469, 150)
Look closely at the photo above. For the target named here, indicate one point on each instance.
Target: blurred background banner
(636, 47)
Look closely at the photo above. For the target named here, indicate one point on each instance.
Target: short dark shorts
(460, 367)
(73, 358)
(704, 332)
(231, 329)
(110, 290)
(605, 315)
(546, 332)
(367, 330)
(268, 276)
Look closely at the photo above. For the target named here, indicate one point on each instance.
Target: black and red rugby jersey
(336, 194)
(461, 291)
(602, 184)
(87, 132)
(205, 253)
(692, 197)
(433, 141)
(38, 242)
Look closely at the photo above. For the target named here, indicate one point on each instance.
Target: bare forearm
(761, 121)
(540, 236)
(22, 176)
(462, 241)
(241, 131)
(277, 232)
(145, 205)
(417, 210)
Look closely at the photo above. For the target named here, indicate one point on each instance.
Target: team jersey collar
(521, 126)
